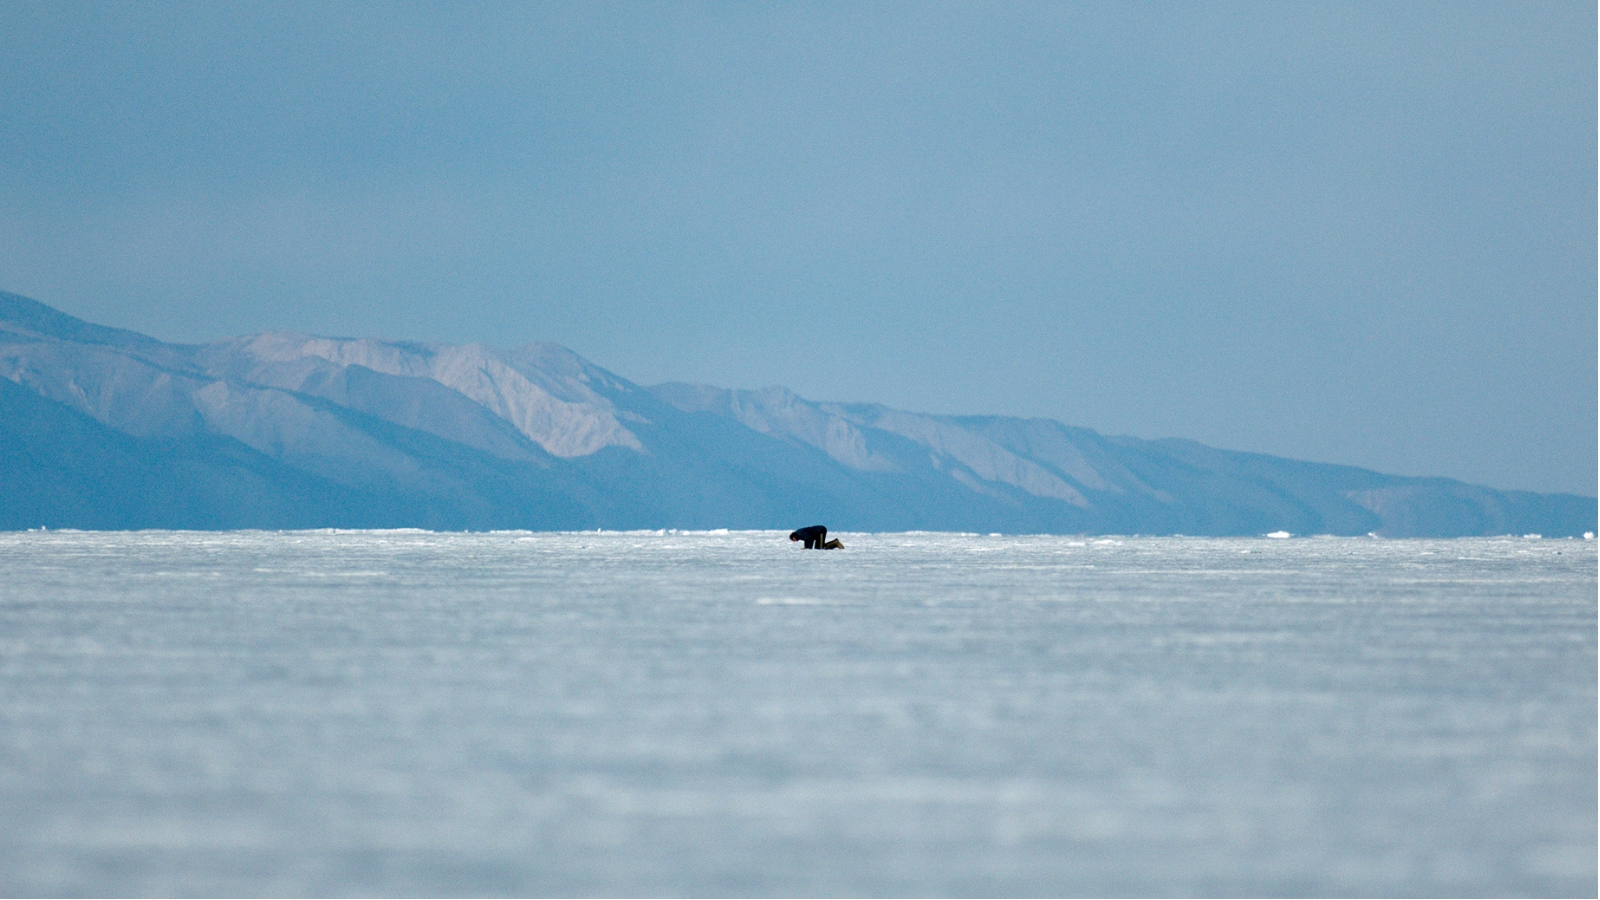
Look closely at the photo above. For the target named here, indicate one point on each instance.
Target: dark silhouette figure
(816, 538)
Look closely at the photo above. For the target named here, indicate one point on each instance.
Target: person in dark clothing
(816, 538)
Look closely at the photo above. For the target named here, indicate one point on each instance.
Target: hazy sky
(1362, 234)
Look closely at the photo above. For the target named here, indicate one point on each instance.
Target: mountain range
(102, 428)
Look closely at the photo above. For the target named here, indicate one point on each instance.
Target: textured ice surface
(416, 713)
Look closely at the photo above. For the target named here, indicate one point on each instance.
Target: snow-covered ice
(403, 713)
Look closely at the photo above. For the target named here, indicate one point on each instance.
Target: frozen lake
(403, 713)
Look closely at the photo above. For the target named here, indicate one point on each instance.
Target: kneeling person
(816, 538)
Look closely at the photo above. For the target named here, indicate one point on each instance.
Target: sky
(1350, 233)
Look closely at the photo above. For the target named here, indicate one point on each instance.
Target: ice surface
(402, 713)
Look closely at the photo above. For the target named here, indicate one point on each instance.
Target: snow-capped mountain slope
(309, 430)
(544, 392)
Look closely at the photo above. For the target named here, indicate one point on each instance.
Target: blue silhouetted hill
(105, 428)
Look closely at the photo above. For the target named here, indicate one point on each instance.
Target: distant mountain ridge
(105, 428)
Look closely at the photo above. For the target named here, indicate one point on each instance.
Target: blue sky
(1362, 234)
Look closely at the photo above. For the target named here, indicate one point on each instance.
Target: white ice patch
(252, 713)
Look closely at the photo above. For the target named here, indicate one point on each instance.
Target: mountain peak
(23, 315)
